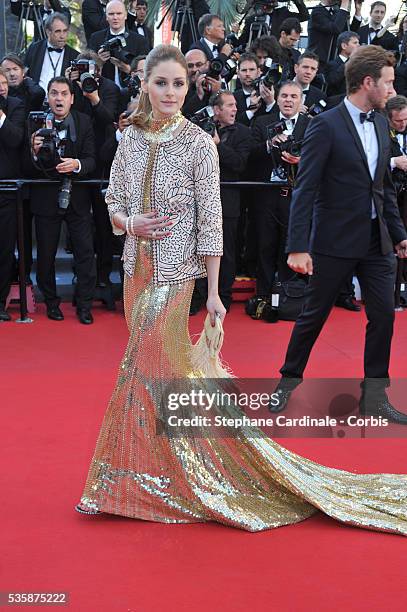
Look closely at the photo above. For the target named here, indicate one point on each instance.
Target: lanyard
(55, 66)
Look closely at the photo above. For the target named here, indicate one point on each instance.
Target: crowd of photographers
(62, 114)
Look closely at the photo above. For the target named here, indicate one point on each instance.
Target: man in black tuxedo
(306, 70)
(289, 35)
(116, 66)
(327, 21)
(12, 117)
(200, 87)
(271, 207)
(344, 188)
(49, 58)
(348, 42)
(199, 8)
(251, 102)
(375, 32)
(45, 10)
(136, 20)
(77, 161)
(93, 17)
(212, 32)
(274, 17)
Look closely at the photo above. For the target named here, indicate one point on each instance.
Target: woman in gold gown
(164, 193)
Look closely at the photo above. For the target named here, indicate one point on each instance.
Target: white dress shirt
(367, 135)
(116, 70)
(51, 67)
(211, 46)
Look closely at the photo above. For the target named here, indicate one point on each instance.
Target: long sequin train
(248, 481)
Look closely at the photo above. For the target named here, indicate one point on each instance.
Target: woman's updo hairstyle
(160, 53)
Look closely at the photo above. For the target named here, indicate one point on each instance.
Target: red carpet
(56, 382)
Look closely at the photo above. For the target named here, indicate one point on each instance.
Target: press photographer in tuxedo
(45, 10)
(344, 187)
(77, 160)
(251, 102)
(376, 32)
(20, 86)
(136, 20)
(201, 87)
(212, 37)
(306, 70)
(116, 63)
(272, 207)
(348, 42)
(274, 16)
(289, 35)
(50, 58)
(12, 119)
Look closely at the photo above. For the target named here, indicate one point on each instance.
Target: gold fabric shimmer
(247, 481)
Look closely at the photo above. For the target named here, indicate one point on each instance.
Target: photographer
(11, 136)
(306, 70)
(99, 98)
(93, 17)
(376, 32)
(67, 153)
(201, 86)
(46, 9)
(254, 98)
(289, 35)
(20, 86)
(273, 17)
(136, 17)
(49, 58)
(348, 42)
(116, 46)
(274, 163)
(326, 22)
(212, 41)
(265, 47)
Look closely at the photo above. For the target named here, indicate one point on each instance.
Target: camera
(133, 85)
(316, 109)
(271, 78)
(87, 73)
(115, 47)
(259, 307)
(291, 146)
(204, 118)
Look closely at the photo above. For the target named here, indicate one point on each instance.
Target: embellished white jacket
(184, 184)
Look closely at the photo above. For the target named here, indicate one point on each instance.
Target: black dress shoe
(55, 313)
(4, 316)
(381, 407)
(348, 304)
(280, 397)
(84, 316)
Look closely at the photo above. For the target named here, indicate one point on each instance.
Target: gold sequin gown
(246, 481)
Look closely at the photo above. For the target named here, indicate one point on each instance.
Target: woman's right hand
(149, 225)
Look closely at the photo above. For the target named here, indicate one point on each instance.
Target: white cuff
(80, 167)
(269, 107)
(250, 114)
(392, 163)
(119, 135)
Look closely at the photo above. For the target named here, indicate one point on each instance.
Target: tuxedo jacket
(277, 17)
(323, 31)
(30, 93)
(11, 139)
(334, 190)
(93, 17)
(135, 45)
(387, 41)
(335, 77)
(313, 95)
(241, 116)
(193, 103)
(44, 197)
(148, 33)
(203, 46)
(234, 149)
(34, 58)
(263, 163)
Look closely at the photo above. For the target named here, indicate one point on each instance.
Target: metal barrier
(21, 188)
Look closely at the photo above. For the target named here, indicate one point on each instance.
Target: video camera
(115, 47)
(49, 156)
(271, 78)
(204, 118)
(87, 74)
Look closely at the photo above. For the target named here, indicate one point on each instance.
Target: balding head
(197, 62)
(116, 15)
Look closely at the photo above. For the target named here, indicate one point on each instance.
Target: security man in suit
(12, 118)
(77, 161)
(50, 58)
(344, 216)
(117, 68)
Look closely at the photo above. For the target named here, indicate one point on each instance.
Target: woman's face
(166, 87)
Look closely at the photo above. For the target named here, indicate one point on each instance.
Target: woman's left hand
(214, 305)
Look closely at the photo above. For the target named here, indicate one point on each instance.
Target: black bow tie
(367, 116)
(56, 50)
(372, 30)
(60, 126)
(216, 48)
(332, 10)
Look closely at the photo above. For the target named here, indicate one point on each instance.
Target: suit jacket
(262, 161)
(387, 41)
(323, 31)
(334, 190)
(241, 116)
(193, 103)
(203, 46)
(148, 33)
(11, 138)
(44, 197)
(277, 17)
(93, 17)
(34, 58)
(135, 45)
(30, 93)
(234, 148)
(313, 95)
(335, 77)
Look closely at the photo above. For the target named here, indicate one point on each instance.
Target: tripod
(30, 10)
(184, 14)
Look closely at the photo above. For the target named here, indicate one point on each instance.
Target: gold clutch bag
(205, 354)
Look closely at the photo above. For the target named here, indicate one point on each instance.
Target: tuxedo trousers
(376, 274)
(8, 236)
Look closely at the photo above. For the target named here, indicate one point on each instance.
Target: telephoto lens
(64, 195)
